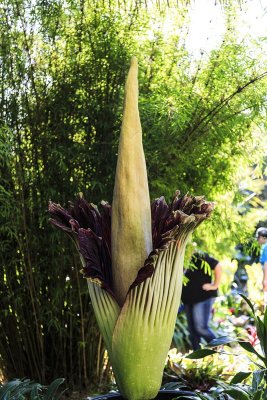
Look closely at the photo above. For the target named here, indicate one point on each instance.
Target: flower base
(162, 395)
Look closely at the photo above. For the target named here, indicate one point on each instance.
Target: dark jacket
(203, 265)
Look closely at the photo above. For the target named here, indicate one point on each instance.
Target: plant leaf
(196, 397)
(261, 332)
(248, 302)
(52, 388)
(237, 393)
(258, 395)
(265, 318)
(201, 353)
(35, 391)
(248, 346)
(10, 387)
(220, 341)
(257, 378)
(239, 377)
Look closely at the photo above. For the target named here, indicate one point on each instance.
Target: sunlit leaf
(201, 353)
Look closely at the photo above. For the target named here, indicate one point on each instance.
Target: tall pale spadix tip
(131, 238)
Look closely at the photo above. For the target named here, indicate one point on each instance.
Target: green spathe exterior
(145, 327)
(135, 291)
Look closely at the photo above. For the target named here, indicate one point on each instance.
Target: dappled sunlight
(222, 365)
(255, 276)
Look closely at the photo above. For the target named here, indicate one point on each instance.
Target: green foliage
(62, 67)
(236, 389)
(180, 338)
(194, 377)
(209, 113)
(26, 389)
(54, 102)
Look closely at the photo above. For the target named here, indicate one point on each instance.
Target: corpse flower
(132, 256)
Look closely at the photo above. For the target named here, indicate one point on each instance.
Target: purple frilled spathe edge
(90, 227)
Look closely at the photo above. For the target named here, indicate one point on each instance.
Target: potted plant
(132, 256)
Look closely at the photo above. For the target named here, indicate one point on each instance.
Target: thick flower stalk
(132, 256)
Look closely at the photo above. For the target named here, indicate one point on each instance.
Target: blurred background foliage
(62, 68)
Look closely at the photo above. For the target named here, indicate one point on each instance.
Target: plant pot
(162, 395)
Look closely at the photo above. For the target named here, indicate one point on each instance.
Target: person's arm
(217, 278)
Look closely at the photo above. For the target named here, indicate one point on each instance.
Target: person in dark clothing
(198, 296)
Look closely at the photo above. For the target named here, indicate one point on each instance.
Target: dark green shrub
(25, 389)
